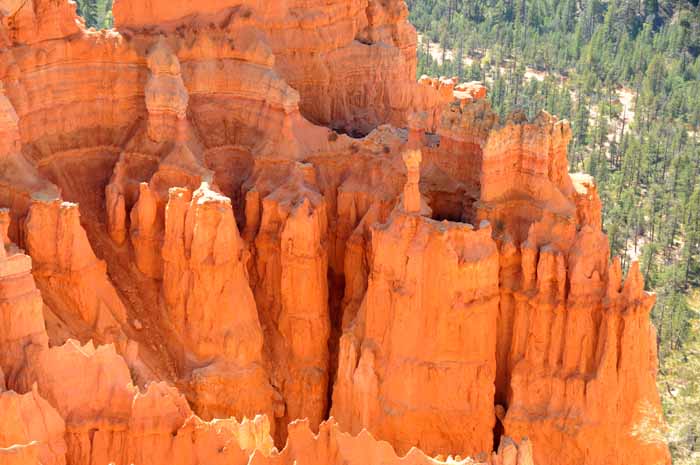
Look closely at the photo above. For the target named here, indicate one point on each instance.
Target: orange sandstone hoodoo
(224, 222)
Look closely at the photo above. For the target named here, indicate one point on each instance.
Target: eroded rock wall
(419, 359)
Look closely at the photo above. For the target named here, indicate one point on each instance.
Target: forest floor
(436, 52)
(694, 300)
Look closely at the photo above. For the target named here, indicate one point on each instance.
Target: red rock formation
(432, 287)
(21, 317)
(291, 289)
(333, 446)
(19, 179)
(109, 421)
(211, 306)
(311, 43)
(171, 183)
(564, 313)
(73, 281)
(31, 430)
(32, 21)
(412, 201)
(166, 96)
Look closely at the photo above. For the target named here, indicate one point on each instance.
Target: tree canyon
(240, 232)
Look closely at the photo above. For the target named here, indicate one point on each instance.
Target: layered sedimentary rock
(251, 209)
(107, 419)
(406, 370)
(564, 312)
(311, 43)
(84, 409)
(21, 305)
(291, 287)
(20, 179)
(332, 445)
(31, 430)
(73, 281)
(211, 306)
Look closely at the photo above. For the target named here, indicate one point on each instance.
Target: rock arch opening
(96, 13)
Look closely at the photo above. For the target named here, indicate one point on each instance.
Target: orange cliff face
(223, 223)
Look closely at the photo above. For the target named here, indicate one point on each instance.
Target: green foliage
(97, 13)
(679, 382)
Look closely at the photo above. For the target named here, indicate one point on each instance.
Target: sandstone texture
(241, 232)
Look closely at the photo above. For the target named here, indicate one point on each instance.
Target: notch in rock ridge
(96, 13)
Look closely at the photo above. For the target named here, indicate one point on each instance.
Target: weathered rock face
(291, 288)
(311, 43)
(565, 314)
(332, 445)
(31, 430)
(109, 421)
(433, 287)
(250, 209)
(20, 309)
(211, 306)
(73, 281)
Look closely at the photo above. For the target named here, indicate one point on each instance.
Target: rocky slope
(249, 209)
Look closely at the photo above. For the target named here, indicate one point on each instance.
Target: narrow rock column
(412, 158)
(21, 317)
(9, 125)
(166, 95)
(73, 281)
(147, 232)
(411, 191)
(116, 213)
(4, 227)
(211, 307)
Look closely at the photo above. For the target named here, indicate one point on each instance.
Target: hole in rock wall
(451, 206)
(97, 13)
(336, 289)
(350, 131)
(450, 178)
(231, 167)
(82, 177)
(498, 429)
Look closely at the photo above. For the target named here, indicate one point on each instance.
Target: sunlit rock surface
(242, 232)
